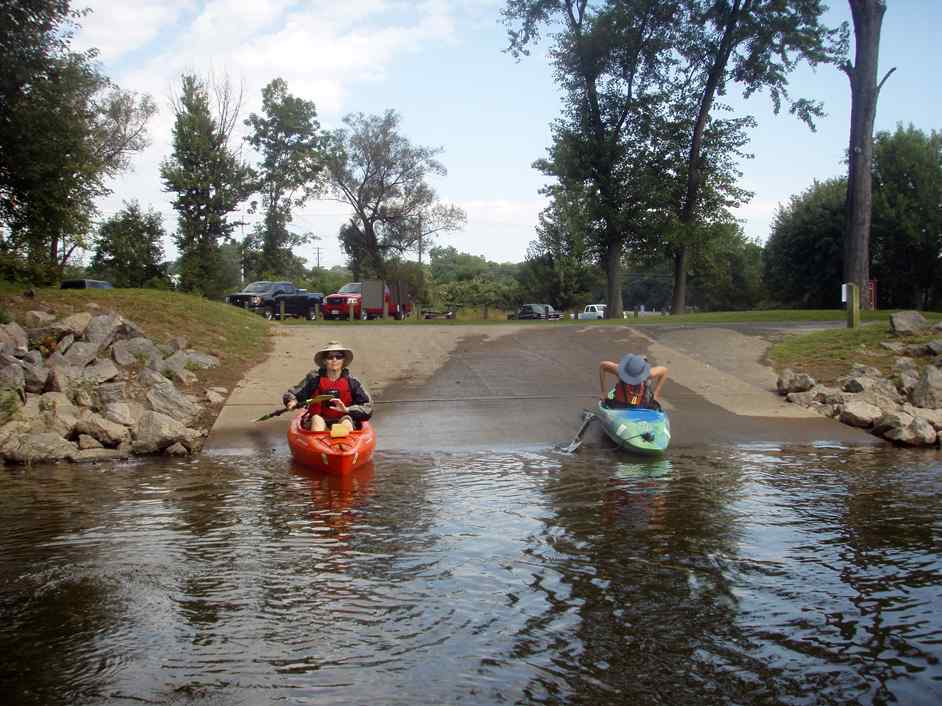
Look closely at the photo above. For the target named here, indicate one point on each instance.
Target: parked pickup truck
(338, 304)
(592, 311)
(266, 298)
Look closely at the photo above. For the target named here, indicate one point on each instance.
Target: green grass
(827, 355)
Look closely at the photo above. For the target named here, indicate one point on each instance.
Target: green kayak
(644, 431)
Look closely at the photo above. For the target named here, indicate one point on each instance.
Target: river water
(756, 575)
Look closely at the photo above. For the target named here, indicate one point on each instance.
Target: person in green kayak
(638, 385)
(349, 403)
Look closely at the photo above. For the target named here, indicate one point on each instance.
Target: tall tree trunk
(864, 91)
(613, 279)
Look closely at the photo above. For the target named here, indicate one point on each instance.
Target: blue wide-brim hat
(633, 369)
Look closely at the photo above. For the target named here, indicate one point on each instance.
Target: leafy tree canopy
(129, 250)
(384, 178)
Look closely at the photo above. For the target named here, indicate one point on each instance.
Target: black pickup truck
(266, 298)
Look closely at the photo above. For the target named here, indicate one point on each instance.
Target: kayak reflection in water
(638, 385)
(337, 398)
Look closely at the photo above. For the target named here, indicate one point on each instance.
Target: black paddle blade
(577, 440)
(271, 415)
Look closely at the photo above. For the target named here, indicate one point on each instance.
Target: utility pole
(317, 255)
(420, 240)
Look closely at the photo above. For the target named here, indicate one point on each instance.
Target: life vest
(340, 388)
(632, 395)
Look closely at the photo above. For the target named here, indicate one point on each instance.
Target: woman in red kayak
(639, 385)
(351, 402)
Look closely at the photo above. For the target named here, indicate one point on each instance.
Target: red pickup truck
(338, 304)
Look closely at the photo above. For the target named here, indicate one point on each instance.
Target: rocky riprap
(905, 408)
(93, 387)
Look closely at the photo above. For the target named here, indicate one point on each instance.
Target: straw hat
(633, 369)
(330, 347)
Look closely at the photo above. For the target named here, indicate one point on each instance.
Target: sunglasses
(335, 356)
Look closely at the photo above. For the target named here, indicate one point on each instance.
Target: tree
(756, 44)
(556, 270)
(129, 251)
(726, 270)
(907, 218)
(65, 129)
(449, 265)
(609, 59)
(864, 92)
(288, 139)
(208, 178)
(802, 262)
(382, 177)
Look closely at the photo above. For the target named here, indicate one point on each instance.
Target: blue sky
(440, 64)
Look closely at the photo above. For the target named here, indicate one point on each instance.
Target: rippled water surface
(745, 576)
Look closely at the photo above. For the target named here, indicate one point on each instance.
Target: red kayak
(316, 449)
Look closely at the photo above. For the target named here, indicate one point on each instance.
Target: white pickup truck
(592, 311)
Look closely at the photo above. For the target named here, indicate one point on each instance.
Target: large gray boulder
(126, 413)
(892, 421)
(860, 414)
(928, 391)
(61, 377)
(35, 376)
(102, 370)
(61, 420)
(790, 381)
(11, 373)
(156, 431)
(38, 319)
(918, 433)
(168, 400)
(10, 435)
(40, 447)
(107, 432)
(13, 339)
(111, 392)
(907, 323)
(933, 416)
(148, 377)
(104, 329)
(76, 325)
(81, 353)
(138, 350)
(64, 343)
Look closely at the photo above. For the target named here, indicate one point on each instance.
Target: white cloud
(116, 29)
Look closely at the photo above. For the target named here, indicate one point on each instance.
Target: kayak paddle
(282, 410)
(588, 417)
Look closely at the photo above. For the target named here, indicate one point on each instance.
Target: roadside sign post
(850, 294)
(281, 305)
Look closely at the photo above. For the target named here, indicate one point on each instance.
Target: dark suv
(531, 311)
(552, 313)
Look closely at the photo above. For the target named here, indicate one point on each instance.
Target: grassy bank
(827, 355)
(239, 338)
